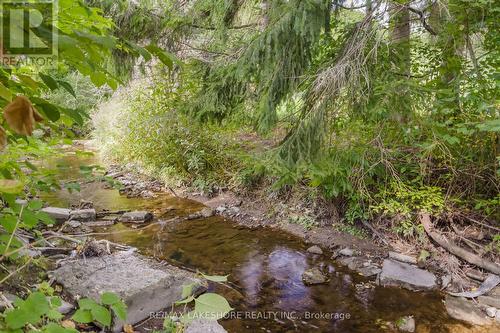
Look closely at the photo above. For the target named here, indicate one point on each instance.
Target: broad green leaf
(211, 306)
(86, 303)
(166, 58)
(82, 316)
(101, 314)
(109, 298)
(55, 328)
(120, 310)
(49, 81)
(67, 87)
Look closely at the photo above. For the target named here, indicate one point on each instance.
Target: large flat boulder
(146, 286)
(461, 309)
(58, 214)
(399, 274)
(204, 326)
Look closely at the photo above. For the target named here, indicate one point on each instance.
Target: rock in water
(136, 217)
(407, 276)
(461, 309)
(146, 286)
(58, 214)
(315, 250)
(314, 276)
(406, 324)
(204, 326)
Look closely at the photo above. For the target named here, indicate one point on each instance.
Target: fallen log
(449, 246)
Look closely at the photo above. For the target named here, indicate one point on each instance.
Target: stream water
(264, 267)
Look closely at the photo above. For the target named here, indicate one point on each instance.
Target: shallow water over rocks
(265, 269)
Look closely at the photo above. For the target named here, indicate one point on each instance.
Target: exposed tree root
(471, 258)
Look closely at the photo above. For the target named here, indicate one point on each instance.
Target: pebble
(315, 250)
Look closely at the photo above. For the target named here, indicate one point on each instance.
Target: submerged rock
(314, 276)
(136, 217)
(491, 312)
(407, 276)
(146, 286)
(406, 324)
(315, 250)
(361, 265)
(204, 326)
(58, 214)
(204, 213)
(461, 309)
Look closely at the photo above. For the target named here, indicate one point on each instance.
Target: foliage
(91, 311)
(39, 311)
(150, 131)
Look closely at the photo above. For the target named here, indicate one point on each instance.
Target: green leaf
(186, 301)
(55, 328)
(67, 87)
(49, 81)
(86, 303)
(5, 93)
(215, 278)
(109, 298)
(187, 290)
(98, 79)
(11, 186)
(211, 306)
(120, 310)
(8, 222)
(82, 316)
(166, 58)
(54, 315)
(101, 314)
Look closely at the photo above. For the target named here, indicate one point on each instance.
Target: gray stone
(461, 309)
(445, 281)
(74, 224)
(146, 286)
(360, 265)
(406, 324)
(22, 202)
(65, 307)
(204, 326)
(83, 215)
(207, 212)
(489, 301)
(58, 214)
(136, 217)
(100, 223)
(11, 298)
(403, 258)
(314, 276)
(491, 312)
(346, 252)
(403, 275)
(315, 250)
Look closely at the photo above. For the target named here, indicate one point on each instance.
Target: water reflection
(265, 268)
